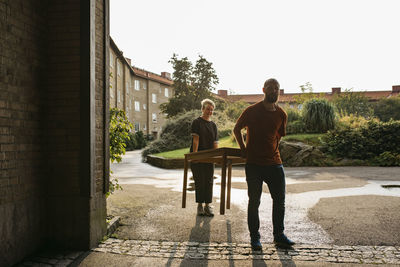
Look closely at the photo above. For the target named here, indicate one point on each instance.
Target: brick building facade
(53, 125)
(138, 92)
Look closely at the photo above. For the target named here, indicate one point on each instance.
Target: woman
(204, 133)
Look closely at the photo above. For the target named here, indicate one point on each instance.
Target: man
(265, 122)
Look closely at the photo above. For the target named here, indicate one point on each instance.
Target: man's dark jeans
(274, 177)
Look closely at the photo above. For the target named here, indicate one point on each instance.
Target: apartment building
(138, 92)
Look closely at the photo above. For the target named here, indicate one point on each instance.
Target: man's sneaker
(256, 244)
(208, 211)
(200, 211)
(283, 242)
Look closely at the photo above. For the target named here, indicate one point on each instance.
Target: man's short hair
(207, 101)
(271, 84)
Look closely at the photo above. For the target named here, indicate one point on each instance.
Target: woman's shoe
(200, 211)
(208, 211)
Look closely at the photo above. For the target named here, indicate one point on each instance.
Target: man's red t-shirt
(264, 131)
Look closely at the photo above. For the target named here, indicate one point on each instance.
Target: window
(154, 117)
(144, 127)
(144, 106)
(166, 92)
(119, 68)
(137, 126)
(300, 106)
(137, 85)
(144, 86)
(137, 106)
(119, 96)
(111, 60)
(154, 98)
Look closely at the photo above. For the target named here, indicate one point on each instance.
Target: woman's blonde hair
(205, 102)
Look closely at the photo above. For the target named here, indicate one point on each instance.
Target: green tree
(191, 84)
(388, 108)
(318, 115)
(350, 102)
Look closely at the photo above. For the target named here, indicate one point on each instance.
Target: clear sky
(329, 43)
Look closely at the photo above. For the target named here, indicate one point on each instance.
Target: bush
(141, 141)
(344, 142)
(293, 115)
(366, 142)
(135, 141)
(119, 132)
(224, 124)
(387, 159)
(295, 127)
(388, 108)
(176, 133)
(352, 121)
(234, 109)
(130, 142)
(318, 115)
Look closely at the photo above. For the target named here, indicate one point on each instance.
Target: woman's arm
(195, 142)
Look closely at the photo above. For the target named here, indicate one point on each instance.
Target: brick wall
(22, 185)
(75, 124)
(63, 124)
(98, 211)
(53, 152)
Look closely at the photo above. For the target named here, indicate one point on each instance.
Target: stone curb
(113, 225)
(164, 163)
(234, 251)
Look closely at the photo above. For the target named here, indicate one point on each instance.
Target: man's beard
(271, 97)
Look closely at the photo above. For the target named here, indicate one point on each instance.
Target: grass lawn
(311, 139)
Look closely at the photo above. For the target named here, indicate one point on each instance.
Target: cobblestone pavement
(226, 251)
(53, 258)
(233, 251)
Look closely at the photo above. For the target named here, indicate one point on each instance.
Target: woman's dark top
(207, 132)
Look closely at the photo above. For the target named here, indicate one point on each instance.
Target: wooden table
(224, 156)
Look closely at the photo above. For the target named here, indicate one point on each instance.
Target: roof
(151, 76)
(137, 71)
(290, 98)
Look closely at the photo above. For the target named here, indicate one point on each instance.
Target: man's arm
(239, 139)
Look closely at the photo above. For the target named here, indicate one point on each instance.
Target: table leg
(223, 185)
(228, 195)
(184, 183)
